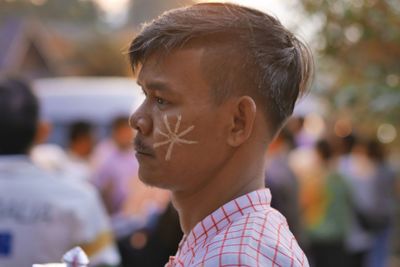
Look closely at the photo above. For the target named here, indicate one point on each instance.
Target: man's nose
(140, 122)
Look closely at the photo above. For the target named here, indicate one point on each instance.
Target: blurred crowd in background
(144, 224)
(338, 193)
(333, 170)
(346, 194)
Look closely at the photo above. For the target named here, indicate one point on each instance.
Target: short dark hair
(376, 150)
(324, 149)
(19, 114)
(246, 51)
(78, 129)
(348, 142)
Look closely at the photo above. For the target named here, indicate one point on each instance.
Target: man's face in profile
(181, 140)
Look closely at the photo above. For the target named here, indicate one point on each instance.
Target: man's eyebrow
(155, 85)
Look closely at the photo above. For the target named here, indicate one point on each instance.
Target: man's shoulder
(258, 238)
(43, 185)
(260, 228)
(66, 186)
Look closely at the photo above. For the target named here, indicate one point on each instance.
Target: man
(119, 141)
(114, 166)
(42, 216)
(81, 140)
(220, 80)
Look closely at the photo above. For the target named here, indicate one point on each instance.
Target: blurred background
(74, 52)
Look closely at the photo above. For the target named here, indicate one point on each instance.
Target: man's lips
(143, 148)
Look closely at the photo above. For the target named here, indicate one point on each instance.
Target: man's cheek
(170, 134)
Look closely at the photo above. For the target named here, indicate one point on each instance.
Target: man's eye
(160, 101)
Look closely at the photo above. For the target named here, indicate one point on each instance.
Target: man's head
(220, 80)
(324, 150)
(19, 111)
(81, 139)
(245, 52)
(122, 134)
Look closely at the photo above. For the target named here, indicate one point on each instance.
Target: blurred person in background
(120, 140)
(301, 138)
(282, 182)
(358, 169)
(81, 141)
(115, 170)
(384, 206)
(152, 244)
(327, 206)
(72, 162)
(52, 158)
(49, 156)
(42, 216)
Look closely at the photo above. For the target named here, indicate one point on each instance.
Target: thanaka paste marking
(173, 137)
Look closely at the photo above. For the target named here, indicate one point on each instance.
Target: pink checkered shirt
(243, 232)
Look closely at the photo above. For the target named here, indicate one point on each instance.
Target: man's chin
(152, 180)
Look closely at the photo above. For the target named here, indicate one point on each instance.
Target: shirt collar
(218, 220)
(11, 159)
(16, 164)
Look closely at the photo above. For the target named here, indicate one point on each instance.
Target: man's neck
(229, 184)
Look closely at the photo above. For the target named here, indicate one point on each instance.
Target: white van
(95, 99)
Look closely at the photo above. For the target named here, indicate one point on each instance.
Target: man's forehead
(149, 68)
(159, 67)
(159, 60)
(151, 76)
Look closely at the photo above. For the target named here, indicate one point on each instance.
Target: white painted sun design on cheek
(173, 137)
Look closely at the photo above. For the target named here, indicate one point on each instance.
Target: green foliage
(359, 46)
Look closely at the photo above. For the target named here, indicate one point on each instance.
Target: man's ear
(243, 117)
